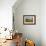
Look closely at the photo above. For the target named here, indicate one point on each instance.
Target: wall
(43, 22)
(28, 7)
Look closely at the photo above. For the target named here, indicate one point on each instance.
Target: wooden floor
(9, 43)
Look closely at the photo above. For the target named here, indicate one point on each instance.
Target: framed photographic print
(29, 19)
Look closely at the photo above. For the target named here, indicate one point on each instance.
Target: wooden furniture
(16, 34)
(18, 39)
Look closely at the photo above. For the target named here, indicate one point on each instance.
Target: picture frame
(29, 19)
